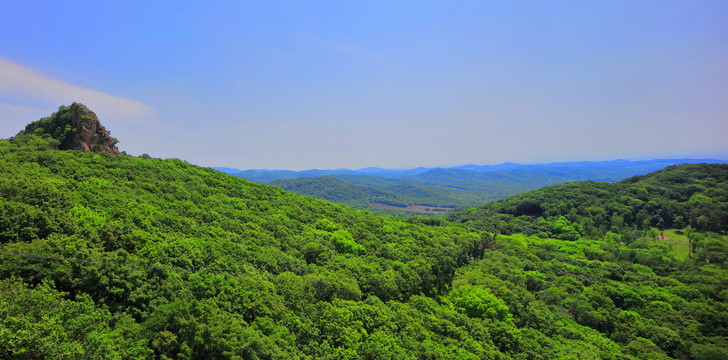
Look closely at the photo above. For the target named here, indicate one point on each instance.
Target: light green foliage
(344, 242)
(563, 229)
(85, 218)
(325, 225)
(478, 302)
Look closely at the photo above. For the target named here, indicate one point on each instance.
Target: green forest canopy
(128, 258)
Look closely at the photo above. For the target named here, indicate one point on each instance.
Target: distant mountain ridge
(456, 187)
(266, 175)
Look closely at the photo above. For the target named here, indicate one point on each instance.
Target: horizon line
(375, 168)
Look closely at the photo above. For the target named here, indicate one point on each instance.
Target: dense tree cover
(195, 262)
(126, 258)
(596, 298)
(679, 196)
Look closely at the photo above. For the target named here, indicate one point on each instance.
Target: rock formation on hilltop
(90, 135)
(76, 128)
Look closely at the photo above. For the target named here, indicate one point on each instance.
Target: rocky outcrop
(76, 128)
(90, 134)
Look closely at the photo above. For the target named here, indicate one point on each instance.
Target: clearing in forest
(424, 209)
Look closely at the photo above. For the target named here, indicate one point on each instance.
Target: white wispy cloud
(23, 84)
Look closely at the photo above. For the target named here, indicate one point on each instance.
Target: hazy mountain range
(455, 187)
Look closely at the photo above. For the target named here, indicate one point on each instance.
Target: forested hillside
(694, 195)
(131, 258)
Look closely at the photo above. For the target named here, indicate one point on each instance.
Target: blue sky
(397, 84)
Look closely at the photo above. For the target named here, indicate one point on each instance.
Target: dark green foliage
(478, 302)
(57, 126)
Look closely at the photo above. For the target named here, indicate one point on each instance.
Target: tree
(478, 302)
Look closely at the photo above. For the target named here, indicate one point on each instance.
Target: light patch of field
(423, 209)
(679, 243)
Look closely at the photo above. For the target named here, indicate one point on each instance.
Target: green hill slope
(187, 252)
(693, 195)
(333, 189)
(126, 258)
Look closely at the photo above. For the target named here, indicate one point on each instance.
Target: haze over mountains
(456, 187)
